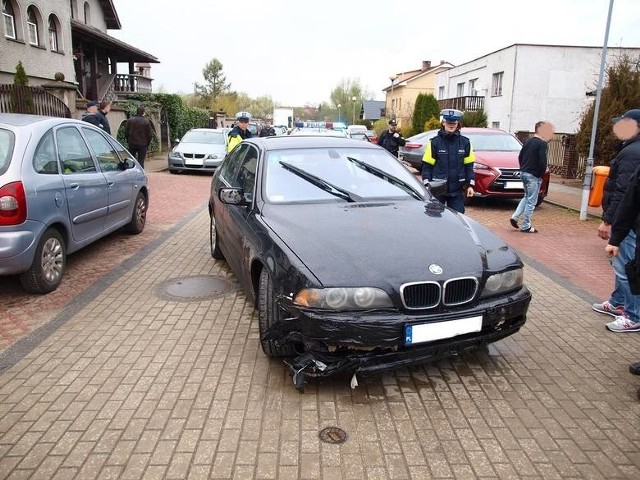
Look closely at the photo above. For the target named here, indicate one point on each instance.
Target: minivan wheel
(139, 215)
(49, 263)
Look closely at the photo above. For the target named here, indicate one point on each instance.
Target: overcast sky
(297, 51)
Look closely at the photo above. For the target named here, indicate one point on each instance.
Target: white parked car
(200, 150)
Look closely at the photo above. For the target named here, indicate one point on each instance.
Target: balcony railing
(468, 103)
(131, 84)
(32, 100)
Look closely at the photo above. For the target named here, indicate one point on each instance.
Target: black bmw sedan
(310, 226)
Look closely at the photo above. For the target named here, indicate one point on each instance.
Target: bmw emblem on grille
(435, 269)
(517, 174)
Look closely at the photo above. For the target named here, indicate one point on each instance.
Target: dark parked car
(63, 185)
(496, 167)
(310, 226)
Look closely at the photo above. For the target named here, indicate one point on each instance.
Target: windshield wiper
(323, 184)
(388, 178)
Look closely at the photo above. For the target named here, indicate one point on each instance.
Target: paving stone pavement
(131, 384)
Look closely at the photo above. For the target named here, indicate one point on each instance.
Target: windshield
(493, 142)
(333, 166)
(216, 138)
(6, 149)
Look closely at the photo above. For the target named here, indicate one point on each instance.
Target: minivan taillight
(13, 204)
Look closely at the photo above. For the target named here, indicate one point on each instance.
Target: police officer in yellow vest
(449, 156)
(240, 131)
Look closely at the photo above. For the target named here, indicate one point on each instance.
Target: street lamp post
(393, 79)
(339, 112)
(354, 98)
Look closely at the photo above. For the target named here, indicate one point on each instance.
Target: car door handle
(110, 184)
(74, 186)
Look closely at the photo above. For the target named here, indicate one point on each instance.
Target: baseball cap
(633, 114)
(393, 122)
(91, 103)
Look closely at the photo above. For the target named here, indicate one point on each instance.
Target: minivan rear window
(7, 140)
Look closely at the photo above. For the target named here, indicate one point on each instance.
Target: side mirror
(232, 196)
(438, 187)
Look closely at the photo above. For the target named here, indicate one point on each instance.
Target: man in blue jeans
(623, 305)
(533, 165)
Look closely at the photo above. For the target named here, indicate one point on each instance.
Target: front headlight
(503, 282)
(174, 154)
(350, 298)
(213, 156)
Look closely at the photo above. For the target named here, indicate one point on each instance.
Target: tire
(539, 201)
(139, 215)
(49, 264)
(269, 314)
(214, 243)
(171, 170)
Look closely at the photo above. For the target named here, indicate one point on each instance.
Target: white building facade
(524, 83)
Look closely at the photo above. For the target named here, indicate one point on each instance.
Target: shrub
(432, 124)
(477, 118)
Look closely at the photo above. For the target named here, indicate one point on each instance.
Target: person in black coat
(103, 110)
(91, 115)
(623, 304)
(391, 140)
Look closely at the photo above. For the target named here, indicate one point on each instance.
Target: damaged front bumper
(364, 343)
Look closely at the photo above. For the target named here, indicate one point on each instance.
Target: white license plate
(428, 332)
(519, 185)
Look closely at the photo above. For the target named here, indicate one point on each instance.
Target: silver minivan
(63, 184)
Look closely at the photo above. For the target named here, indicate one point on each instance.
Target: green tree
(475, 118)
(215, 84)
(21, 98)
(426, 108)
(620, 93)
(20, 78)
(343, 95)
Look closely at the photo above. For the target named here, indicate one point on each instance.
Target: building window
(9, 20)
(496, 85)
(495, 124)
(472, 87)
(441, 93)
(32, 26)
(87, 13)
(74, 8)
(460, 90)
(53, 33)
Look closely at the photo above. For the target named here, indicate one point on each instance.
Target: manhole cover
(332, 435)
(194, 288)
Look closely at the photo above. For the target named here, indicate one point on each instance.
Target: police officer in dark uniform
(391, 140)
(449, 156)
(240, 131)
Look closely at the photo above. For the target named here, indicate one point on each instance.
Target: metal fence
(31, 100)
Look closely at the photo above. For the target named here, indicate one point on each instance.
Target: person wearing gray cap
(623, 305)
(90, 116)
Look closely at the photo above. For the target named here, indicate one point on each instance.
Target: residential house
(523, 83)
(372, 110)
(67, 41)
(406, 86)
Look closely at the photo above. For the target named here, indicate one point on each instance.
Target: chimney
(426, 65)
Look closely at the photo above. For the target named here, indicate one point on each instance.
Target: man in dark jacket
(533, 165)
(138, 132)
(103, 110)
(627, 219)
(623, 305)
(267, 130)
(449, 156)
(391, 140)
(90, 116)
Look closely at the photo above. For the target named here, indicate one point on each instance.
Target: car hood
(498, 159)
(386, 242)
(203, 148)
